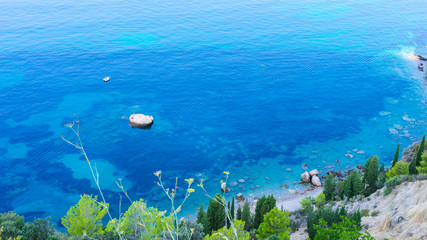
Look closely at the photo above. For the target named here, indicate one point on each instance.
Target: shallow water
(249, 87)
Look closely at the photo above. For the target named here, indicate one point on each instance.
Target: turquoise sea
(257, 88)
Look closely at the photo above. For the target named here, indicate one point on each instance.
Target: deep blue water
(249, 87)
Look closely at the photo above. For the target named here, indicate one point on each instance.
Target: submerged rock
(240, 197)
(349, 155)
(141, 120)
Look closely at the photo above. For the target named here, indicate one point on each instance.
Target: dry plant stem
(79, 146)
(139, 215)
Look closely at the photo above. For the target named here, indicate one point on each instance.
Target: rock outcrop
(141, 120)
(315, 180)
(305, 177)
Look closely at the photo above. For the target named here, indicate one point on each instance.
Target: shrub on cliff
(396, 156)
(422, 169)
(400, 168)
(246, 215)
(329, 187)
(85, 218)
(343, 230)
(216, 213)
(275, 222)
(370, 176)
(202, 218)
(263, 206)
(228, 233)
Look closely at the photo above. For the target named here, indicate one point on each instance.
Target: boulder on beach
(315, 180)
(314, 172)
(305, 177)
(141, 120)
(224, 187)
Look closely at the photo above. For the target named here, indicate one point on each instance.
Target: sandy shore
(291, 203)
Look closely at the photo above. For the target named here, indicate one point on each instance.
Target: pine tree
(422, 169)
(371, 174)
(396, 156)
(348, 188)
(246, 214)
(275, 222)
(259, 213)
(202, 218)
(329, 188)
(263, 206)
(216, 213)
(227, 217)
(239, 213)
(382, 168)
(413, 168)
(357, 184)
(420, 151)
(232, 209)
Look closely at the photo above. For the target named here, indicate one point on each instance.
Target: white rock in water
(305, 177)
(349, 155)
(315, 180)
(314, 172)
(393, 131)
(383, 113)
(140, 120)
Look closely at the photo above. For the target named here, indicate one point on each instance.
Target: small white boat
(106, 79)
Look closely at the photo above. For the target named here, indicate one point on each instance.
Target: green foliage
(232, 209)
(422, 169)
(216, 213)
(85, 218)
(239, 213)
(228, 233)
(306, 205)
(396, 156)
(382, 169)
(375, 213)
(202, 218)
(246, 214)
(273, 237)
(413, 168)
(339, 189)
(39, 229)
(320, 200)
(371, 174)
(400, 168)
(420, 151)
(353, 185)
(263, 206)
(140, 221)
(381, 180)
(14, 227)
(228, 219)
(191, 231)
(327, 214)
(392, 183)
(275, 223)
(343, 230)
(329, 187)
(365, 212)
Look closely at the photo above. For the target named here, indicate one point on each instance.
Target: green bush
(375, 213)
(216, 213)
(263, 206)
(365, 212)
(422, 168)
(320, 200)
(306, 205)
(275, 223)
(329, 187)
(85, 218)
(400, 168)
(392, 183)
(371, 173)
(343, 230)
(246, 215)
(193, 229)
(12, 225)
(227, 233)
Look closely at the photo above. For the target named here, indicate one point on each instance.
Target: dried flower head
(158, 173)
